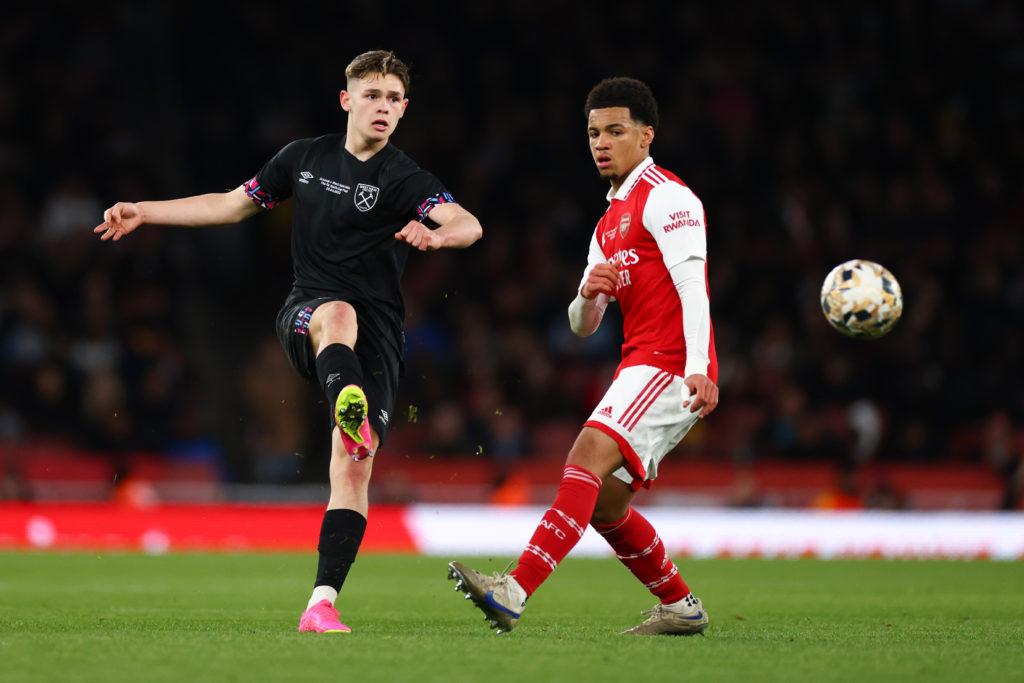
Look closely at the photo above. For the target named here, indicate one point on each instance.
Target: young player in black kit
(358, 204)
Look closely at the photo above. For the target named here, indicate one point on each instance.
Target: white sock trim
(687, 605)
(517, 592)
(322, 593)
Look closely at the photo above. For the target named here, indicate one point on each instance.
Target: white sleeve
(594, 256)
(689, 279)
(675, 217)
(585, 314)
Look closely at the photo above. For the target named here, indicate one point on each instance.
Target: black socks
(340, 536)
(337, 366)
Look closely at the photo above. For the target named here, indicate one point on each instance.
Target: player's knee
(334, 322)
(612, 502)
(611, 505)
(341, 318)
(608, 513)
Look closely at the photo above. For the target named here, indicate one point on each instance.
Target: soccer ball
(861, 299)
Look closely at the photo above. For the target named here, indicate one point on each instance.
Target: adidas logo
(606, 411)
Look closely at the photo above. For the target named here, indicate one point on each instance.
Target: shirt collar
(630, 182)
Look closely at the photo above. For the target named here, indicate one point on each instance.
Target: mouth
(603, 160)
(379, 125)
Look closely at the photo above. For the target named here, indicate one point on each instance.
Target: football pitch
(216, 617)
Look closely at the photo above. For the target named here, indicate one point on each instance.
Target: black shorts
(378, 351)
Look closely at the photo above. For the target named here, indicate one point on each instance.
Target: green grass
(87, 617)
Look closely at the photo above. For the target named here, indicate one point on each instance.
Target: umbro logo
(305, 177)
(605, 412)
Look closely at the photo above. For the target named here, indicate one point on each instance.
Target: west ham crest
(624, 225)
(365, 196)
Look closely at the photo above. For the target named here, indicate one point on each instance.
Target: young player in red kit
(649, 253)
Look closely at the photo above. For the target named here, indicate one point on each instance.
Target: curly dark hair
(621, 91)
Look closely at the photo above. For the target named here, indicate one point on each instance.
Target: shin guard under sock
(638, 546)
(341, 533)
(337, 366)
(560, 529)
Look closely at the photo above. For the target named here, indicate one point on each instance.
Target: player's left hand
(703, 394)
(420, 236)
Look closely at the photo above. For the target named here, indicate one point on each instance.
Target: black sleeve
(273, 184)
(420, 192)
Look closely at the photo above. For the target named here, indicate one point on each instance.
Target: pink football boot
(350, 415)
(361, 449)
(322, 618)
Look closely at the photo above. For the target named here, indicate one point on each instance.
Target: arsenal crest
(365, 196)
(624, 225)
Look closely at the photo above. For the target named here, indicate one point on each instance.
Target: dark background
(813, 134)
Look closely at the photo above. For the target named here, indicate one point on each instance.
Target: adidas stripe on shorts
(643, 411)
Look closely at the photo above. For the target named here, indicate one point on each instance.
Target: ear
(346, 100)
(647, 136)
(405, 103)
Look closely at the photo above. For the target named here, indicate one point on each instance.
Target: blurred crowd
(892, 131)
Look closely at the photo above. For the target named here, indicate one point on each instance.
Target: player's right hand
(603, 278)
(703, 394)
(119, 220)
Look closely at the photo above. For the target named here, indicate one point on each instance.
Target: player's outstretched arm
(218, 208)
(457, 228)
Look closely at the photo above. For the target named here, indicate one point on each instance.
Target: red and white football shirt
(653, 222)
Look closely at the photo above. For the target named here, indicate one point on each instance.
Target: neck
(361, 147)
(618, 180)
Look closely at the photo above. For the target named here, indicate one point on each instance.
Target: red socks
(638, 546)
(560, 529)
(634, 540)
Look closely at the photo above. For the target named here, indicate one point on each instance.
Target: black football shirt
(345, 215)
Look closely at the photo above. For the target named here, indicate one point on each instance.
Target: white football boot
(500, 597)
(685, 618)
